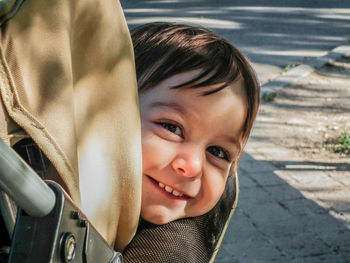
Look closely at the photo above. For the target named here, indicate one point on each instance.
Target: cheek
(156, 153)
(149, 149)
(212, 189)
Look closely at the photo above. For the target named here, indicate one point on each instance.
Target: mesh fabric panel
(191, 240)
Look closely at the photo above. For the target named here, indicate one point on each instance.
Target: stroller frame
(49, 226)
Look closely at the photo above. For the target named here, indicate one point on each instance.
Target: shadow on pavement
(277, 222)
(281, 32)
(288, 211)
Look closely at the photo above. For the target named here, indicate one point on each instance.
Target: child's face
(189, 144)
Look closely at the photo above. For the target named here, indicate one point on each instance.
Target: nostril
(181, 170)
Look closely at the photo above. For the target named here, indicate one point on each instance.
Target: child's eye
(218, 152)
(173, 128)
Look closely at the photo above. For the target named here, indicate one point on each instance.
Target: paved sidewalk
(292, 209)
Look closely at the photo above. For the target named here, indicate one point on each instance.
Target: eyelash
(168, 126)
(225, 156)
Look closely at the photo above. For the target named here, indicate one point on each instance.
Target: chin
(156, 219)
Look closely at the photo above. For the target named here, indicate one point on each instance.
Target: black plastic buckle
(64, 235)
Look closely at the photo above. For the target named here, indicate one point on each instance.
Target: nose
(189, 163)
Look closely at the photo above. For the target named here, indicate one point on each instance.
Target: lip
(168, 195)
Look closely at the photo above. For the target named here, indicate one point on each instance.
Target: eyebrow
(173, 105)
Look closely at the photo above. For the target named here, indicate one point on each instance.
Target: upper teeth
(170, 190)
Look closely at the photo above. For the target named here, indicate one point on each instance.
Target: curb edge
(304, 70)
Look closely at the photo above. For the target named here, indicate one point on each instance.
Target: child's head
(198, 100)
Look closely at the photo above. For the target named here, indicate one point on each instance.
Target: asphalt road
(273, 34)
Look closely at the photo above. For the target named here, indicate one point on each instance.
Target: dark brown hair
(163, 50)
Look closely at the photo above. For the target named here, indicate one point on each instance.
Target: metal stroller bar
(19, 181)
(49, 226)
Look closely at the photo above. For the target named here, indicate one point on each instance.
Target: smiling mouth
(169, 189)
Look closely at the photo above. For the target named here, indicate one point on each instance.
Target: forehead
(237, 87)
(224, 111)
(177, 81)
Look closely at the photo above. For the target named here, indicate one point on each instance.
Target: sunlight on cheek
(95, 179)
